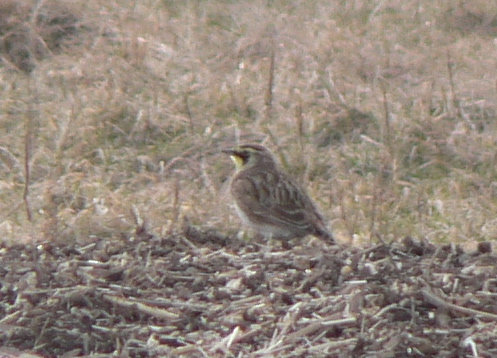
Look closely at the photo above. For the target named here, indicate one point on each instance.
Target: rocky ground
(201, 294)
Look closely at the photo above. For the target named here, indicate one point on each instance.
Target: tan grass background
(113, 113)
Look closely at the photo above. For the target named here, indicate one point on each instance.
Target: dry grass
(386, 110)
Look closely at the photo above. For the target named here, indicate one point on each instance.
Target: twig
(206, 179)
(176, 204)
(387, 134)
(455, 100)
(442, 302)
(330, 85)
(27, 169)
(299, 118)
(189, 114)
(268, 100)
(192, 348)
(152, 311)
(330, 345)
(313, 327)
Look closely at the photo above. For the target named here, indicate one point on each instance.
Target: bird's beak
(229, 151)
(235, 157)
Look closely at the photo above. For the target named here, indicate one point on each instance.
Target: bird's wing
(251, 198)
(269, 200)
(294, 206)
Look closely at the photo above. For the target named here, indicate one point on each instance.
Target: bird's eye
(245, 156)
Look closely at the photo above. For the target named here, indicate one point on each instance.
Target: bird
(269, 201)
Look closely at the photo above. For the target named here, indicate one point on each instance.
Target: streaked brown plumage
(268, 200)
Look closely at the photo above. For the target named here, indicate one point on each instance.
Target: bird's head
(247, 156)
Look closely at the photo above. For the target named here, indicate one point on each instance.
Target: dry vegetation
(201, 294)
(113, 114)
(386, 111)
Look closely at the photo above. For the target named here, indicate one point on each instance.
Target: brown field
(112, 118)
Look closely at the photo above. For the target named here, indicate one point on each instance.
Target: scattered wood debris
(201, 294)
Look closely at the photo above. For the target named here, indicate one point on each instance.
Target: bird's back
(279, 203)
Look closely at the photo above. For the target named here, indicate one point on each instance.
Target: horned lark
(268, 201)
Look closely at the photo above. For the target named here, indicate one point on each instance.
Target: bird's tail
(325, 235)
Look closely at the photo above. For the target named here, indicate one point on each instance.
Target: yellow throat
(238, 161)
